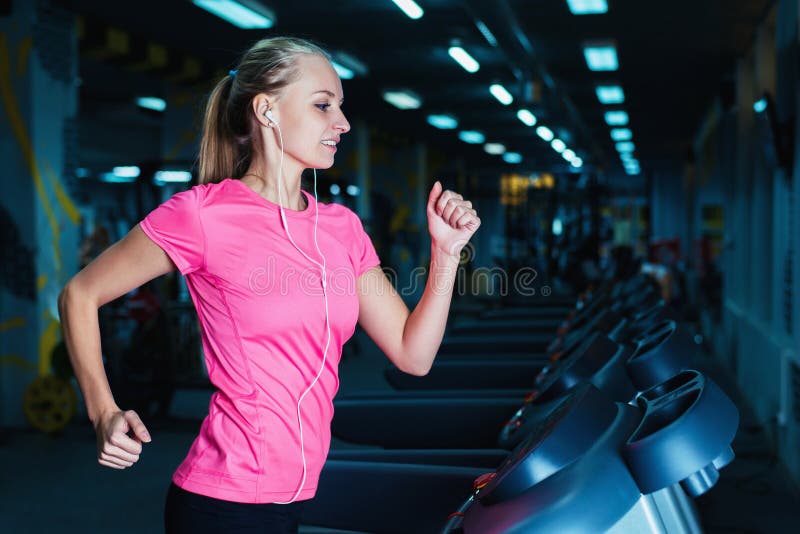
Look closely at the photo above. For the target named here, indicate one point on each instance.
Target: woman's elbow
(62, 300)
(69, 293)
(416, 368)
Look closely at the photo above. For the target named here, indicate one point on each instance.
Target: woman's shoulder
(339, 212)
(203, 194)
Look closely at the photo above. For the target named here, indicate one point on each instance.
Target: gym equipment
(49, 403)
(588, 464)
(473, 420)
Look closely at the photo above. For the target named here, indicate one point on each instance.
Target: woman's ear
(261, 104)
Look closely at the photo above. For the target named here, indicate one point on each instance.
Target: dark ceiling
(674, 57)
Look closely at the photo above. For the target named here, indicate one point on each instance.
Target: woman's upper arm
(382, 313)
(124, 266)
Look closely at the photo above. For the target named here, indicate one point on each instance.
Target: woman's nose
(341, 124)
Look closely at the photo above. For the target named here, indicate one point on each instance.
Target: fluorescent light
(487, 34)
(244, 14)
(112, 178)
(463, 58)
(402, 99)
(587, 7)
(631, 165)
(443, 122)
(353, 190)
(576, 162)
(335, 189)
(472, 137)
(343, 72)
(558, 145)
(627, 158)
(621, 134)
(760, 105)
(610, 94)
(625, 146)
(501, 94)
(545, 133)
(127, 171)
(601, 56)
(494, 148)
(151, 102)
(512, 157)
(568, 154)
(633, 171)
(558, 226)
(350, 63)
(528, 118)
(410, 8)
(172, 177)
(616, 118)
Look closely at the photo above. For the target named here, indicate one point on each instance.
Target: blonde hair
(230, 133)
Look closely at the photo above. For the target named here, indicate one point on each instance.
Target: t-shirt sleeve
(175, 227)
(364, 254)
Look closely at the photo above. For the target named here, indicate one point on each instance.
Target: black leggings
(189, 513)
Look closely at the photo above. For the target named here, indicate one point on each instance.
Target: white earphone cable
(325, 298)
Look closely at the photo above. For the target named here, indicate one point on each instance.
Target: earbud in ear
(269, 116)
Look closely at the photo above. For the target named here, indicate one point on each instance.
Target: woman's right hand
(115, 448)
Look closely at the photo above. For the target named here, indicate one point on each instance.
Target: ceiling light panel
(616, 118)
(545, 133)
(601, 57)
(462, 57)
(472, 137)
(621, 134)
(443, 122)
(410, 8)
(587, 7)
(527, 118)
(494, 148)
(402, 99)
(610, 94)
(501, 94)
(244, 14)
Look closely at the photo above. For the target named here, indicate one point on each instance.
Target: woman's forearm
(80, 326)
(425, 326)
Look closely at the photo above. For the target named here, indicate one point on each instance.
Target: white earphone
(321, 265)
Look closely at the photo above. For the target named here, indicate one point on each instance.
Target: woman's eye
(323, 107)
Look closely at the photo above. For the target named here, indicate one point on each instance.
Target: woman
(278, 281)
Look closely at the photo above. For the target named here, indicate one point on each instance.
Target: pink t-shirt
(262, 319)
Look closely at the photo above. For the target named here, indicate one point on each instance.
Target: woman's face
(309, 112)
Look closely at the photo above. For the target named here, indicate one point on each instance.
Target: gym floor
(53, 484)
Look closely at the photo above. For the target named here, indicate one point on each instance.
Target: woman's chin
(322, 164)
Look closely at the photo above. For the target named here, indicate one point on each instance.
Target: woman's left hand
(451, 220)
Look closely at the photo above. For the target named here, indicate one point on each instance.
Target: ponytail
(218, 151)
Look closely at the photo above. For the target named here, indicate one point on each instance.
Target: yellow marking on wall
(399, 218)
(185, 97)
(191, 69)
(61, 195)
(23, 54)
(186, 137)
(18, 129)
(41, 282)
(155, 58)
(47, 343)
(17, 361)
(15, 322)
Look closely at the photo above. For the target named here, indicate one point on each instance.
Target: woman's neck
(266, 185)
